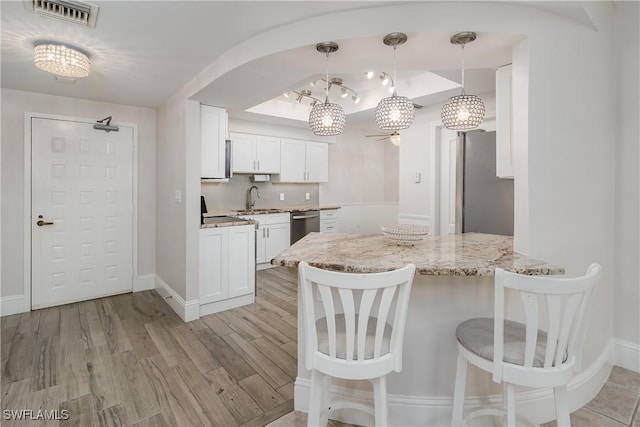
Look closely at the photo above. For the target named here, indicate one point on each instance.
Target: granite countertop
(238, 221)
(268, 211)
(470, 254)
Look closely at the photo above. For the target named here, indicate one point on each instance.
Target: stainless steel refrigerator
(484, 202)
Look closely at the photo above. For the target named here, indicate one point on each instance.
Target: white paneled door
(81, 212)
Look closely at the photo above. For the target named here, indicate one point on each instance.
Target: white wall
(14, 105)
(416, 199)
(627, 254)
(361, 173)
(171, 165)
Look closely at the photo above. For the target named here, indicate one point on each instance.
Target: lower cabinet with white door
(329, 221)
(272, 237)
(227, 268)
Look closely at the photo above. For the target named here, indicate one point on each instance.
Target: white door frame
(27, 194)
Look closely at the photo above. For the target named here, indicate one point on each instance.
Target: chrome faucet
(250, 202)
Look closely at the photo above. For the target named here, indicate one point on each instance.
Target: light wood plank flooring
(130, 360)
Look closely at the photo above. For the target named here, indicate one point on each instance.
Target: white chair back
(554, 304)
(361, 316)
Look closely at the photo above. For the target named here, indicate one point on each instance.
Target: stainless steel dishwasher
(303, 223)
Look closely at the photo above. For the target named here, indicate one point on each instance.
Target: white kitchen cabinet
(273, 235)
(227, 267)
(504, 118)
(303, 161)
(213, 133)
(255, 153)
(329, 221)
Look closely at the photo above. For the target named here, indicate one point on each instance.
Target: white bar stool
(521, 353)
(354, 330)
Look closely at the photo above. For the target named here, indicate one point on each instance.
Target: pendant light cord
(462, 68)
(326, 99)
(395, 89)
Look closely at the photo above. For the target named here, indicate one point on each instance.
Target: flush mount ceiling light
(394, 112)
(463, 112)
(61, 60)
(327, 119)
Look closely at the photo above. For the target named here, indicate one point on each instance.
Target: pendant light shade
(327, 119)
(394, 112)
(61, 60)
(463, 112)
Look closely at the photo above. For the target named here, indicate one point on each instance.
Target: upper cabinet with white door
(255, 153)
(304, 161)
(213, 133)
(504, 140)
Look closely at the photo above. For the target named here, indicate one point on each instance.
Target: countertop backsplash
(233, 194)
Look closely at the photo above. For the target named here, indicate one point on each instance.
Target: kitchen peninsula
(453, 282)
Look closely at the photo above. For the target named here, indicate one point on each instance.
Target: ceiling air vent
(67, 10)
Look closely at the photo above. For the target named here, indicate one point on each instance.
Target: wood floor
(130, 360)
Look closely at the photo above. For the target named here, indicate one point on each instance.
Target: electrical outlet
(281, 196)
(178, 196)
(306, 196)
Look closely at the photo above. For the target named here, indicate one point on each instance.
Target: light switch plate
(281, 196)
(306, 196)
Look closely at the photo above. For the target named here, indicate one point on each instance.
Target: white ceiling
(144, 51)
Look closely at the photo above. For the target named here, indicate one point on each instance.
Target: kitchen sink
(220, 219)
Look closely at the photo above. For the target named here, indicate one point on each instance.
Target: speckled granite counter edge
(270, 211)
(230, 224)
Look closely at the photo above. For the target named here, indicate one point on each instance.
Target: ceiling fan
(394, 137)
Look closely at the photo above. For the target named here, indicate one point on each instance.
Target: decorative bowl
(405, 234)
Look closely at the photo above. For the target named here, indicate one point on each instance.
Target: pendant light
(394, 112)
(327, 119)
(463, 112)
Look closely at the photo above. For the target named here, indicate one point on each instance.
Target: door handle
(267, 232)
(40, 223)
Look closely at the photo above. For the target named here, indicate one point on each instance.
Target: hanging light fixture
(395, 138)
(463, 112)
(327, 119)
(61, 60)
(394, 112)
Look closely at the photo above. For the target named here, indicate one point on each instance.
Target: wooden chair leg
(458, 394)
(380, 401)
(562, 406)
(315, 399)
(508, 394)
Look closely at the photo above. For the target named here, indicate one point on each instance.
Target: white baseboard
(12, 305)
(227, 304)
(146, 282)
(536, 406)
(626, 354)
(187, 310)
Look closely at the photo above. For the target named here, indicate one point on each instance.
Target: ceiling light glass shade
(395, 138)
(462, 112)
(327, 119)
(394, 113)
(61, 60)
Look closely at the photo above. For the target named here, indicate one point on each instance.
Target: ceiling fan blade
(380, 134)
